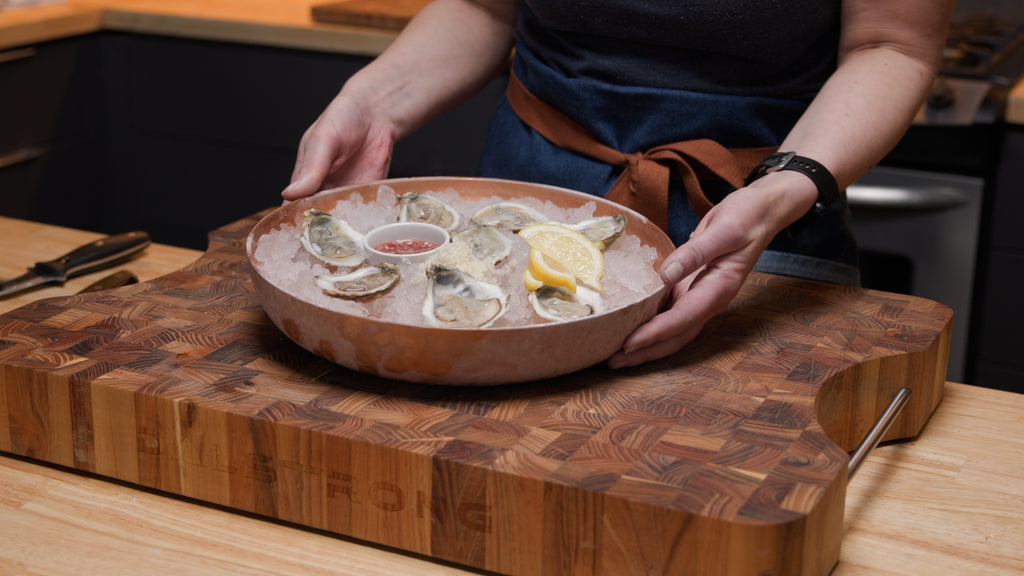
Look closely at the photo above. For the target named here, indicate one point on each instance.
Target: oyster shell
(601, 230)
(331, 240)
(366, 282)
(561, 305)
(484, 243)
(419, 207)
(509, 215)
(454, 298)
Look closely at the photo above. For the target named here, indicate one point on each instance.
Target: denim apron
(632, 119)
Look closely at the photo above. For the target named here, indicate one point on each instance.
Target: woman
(834, 83)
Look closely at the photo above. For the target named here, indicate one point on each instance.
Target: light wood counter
(280, 23)
(948, 502)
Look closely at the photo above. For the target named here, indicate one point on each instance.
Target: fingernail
(672, 273)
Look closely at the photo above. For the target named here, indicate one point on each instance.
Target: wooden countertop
(280, 23)
(949, 501)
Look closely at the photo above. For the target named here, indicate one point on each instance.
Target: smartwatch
(828, 190)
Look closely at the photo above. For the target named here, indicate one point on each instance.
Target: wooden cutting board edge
(53, 395)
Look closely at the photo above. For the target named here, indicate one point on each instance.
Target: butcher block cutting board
(384, 14)
(729, 457)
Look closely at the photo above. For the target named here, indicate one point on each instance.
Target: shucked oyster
(455, 298)
(560, 305)
(509, 215)
(331, 240)
(601, 230)
(366, 282)
(417, 207)
(484, 243)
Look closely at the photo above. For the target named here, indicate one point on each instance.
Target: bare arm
(888, 55)
(445, 54)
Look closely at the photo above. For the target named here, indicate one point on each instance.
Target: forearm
(862, 112)
(888, 57)
(445, 54)
(856, 119)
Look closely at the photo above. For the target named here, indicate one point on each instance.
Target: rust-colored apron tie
(643, 184)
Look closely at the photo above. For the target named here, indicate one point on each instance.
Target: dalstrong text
(390, 497)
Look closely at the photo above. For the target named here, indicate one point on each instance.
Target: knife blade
(93, 256)
(115, 280)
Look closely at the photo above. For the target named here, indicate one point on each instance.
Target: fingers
(705, 273)
(657, 350)
(312, 162)
(714, 237)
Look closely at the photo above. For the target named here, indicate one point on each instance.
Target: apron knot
(644, 183)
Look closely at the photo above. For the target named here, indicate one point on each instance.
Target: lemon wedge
(570, 249)
(547, 272)
(531, 281)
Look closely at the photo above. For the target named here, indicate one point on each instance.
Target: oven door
(918, 233)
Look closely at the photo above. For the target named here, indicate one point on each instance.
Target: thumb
(685, 260)
(310, 170)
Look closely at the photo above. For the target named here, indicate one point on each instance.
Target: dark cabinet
(999, 362)
(178, 137)
(49, 163)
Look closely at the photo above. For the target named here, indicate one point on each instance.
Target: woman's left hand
(888, 55)
(706, 272)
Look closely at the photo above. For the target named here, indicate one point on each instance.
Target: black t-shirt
(770, 48)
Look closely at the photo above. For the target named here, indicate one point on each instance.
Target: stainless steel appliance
(918, 232)
(920, 217)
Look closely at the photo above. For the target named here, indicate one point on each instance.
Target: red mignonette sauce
(405, 246)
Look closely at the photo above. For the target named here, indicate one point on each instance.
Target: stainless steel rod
(878, 430)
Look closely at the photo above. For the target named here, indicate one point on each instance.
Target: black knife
(93, 256)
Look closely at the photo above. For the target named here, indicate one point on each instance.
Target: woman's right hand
(347, 144)
(445, 54)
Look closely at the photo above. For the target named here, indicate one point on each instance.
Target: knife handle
(95, 255)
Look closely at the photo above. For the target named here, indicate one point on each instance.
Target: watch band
(828, 189)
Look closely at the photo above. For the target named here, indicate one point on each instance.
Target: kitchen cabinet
(998, 361)
(180, 136)
(49, 168)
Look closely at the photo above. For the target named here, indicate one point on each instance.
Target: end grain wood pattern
(729, 457)
(383, 14)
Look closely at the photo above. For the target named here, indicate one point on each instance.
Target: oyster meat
(455, 298)
(484, 243)
(331, 240)
(560, 304)
(419, 207)
(508, 215)
(601, 230)
(362, 283)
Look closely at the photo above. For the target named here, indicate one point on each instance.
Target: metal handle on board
(878, 430)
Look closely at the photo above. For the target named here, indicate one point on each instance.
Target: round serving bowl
(455, 356)
(402, 232)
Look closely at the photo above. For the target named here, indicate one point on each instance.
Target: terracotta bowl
(455, 356)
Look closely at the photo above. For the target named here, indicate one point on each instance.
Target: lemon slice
(569, 248)
(531, 281)
(547, 272)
